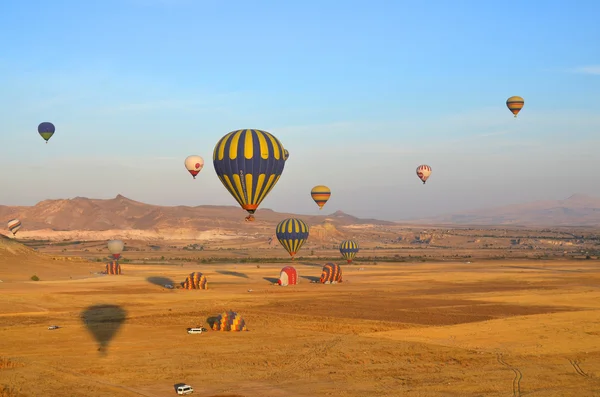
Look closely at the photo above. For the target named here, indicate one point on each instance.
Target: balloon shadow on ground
(311, 264)
(230, 273)
(160, 281)
(272, 280)
(311, 278)
(103, 322)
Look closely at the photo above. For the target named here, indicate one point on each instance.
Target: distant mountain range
(87, 214)
(577, 210)
(87, 218)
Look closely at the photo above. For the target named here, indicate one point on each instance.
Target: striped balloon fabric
(332, 274)
(14, 225)
(195, 280)
(292, 233)
(515, 104)
(249, 163)
(349, 249)
(113, 268)
(320, 194)
(229, 321)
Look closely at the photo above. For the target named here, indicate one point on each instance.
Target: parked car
(169, 286)
(53, 327)
(185, 389)
(197, 330)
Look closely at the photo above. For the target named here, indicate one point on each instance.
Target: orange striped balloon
(320, 194)
(515, 104)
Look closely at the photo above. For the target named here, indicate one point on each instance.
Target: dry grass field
(485, 328)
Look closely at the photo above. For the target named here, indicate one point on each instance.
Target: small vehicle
(185, 389)
(197, 330)
(53, 327)
(169, 286)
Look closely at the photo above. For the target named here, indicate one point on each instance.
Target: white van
(185, 389)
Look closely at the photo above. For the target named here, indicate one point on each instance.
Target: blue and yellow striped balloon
(292, 233)
(249, 163)
(349, 249)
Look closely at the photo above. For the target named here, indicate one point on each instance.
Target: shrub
(35, 278)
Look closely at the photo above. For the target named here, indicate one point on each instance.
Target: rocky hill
(577, 210)
(120, 217)
(20, 263)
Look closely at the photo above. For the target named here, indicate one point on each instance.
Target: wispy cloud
(592, 69)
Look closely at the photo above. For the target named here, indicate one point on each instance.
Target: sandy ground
(494, 328)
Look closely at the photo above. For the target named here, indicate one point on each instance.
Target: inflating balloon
(46, 130)
(194, 164)
(249, 163)
(292, 233)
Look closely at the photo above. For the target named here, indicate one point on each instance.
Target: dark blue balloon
(46, 127)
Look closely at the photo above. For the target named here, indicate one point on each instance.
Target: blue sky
(359, 92)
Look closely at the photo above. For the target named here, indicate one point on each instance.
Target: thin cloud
(592, 69)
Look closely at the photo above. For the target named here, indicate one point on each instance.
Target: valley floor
(487, 328)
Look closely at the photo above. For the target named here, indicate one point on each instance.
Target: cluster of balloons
(249, 164)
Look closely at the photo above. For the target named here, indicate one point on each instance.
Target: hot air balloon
(320, 194)
(292, 233)
(116, 247)
(194, 164)
(14, 225)
(515, 104)
(46, 130)
(286, 154)
(423, 172)
(249, 163)
(349, 249)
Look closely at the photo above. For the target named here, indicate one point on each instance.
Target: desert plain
(437, 312)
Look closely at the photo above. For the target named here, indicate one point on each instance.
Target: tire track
(575, 364)
(518, 376)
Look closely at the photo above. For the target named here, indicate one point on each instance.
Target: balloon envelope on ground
(331, 274)
(288, 276)
(229, 321)
(196, 280)
(113, 268)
